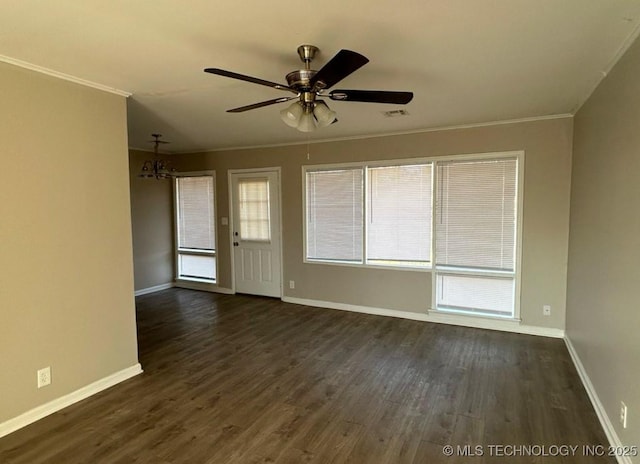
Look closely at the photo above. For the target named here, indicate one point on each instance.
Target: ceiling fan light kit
(292, 114)
(307, 122)
(306, 117)
(323, 114)
(310, 110)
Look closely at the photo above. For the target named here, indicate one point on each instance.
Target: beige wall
(547, 145)
(152, 225)
(603, 314)
(66, 280)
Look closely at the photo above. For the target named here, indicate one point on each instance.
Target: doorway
(255, 231)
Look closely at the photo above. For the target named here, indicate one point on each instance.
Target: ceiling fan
(309, 86)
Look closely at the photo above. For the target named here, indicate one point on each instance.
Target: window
(378, 214)
(399, 215)
(476, 216)
(396, 202)
(334, 215)
(195, 227)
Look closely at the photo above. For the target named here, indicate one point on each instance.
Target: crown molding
(631, 38)
(63, 76)
(386, 134)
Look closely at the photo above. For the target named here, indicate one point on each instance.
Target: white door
(255, 202)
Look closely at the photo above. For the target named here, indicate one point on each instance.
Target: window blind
(399, 215)
(253, 202)
(476, 214)
(334, 214)
(196, 216)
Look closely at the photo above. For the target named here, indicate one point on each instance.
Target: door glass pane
(253, 202)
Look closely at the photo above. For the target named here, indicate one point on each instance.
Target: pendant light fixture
(157, 168)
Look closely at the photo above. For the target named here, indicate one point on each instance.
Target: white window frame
(519, 155)
(365, 180)
(176, 232)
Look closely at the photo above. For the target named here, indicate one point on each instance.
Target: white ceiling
(467, 61)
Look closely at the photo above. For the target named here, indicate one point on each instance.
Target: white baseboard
(609, 430)
(56, 405)
(357, 308)
(157, 288)
(503, 325)
(451, 319)
(203, 286)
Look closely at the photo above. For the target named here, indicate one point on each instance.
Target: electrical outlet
(623, 414)
(44, 377)
(292, 284)
(546, 310)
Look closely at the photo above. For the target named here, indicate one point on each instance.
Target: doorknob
(235, 243)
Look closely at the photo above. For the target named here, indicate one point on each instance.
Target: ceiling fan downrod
(307, 53)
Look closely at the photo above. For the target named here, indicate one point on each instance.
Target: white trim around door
(256, 252)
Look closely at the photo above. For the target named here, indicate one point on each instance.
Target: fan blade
(260, 105)
(340, 66)
(372, 96)
(253, 80)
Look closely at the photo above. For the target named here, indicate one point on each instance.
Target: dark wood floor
(241, 379)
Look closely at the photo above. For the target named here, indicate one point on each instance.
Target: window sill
(446, 270)
(472, 314)
(195, 279)
(196, 252)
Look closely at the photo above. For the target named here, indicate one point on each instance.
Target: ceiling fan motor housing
(300, 79)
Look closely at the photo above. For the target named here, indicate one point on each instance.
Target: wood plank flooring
(242, 379)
